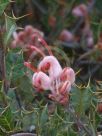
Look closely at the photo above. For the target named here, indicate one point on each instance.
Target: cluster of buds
(25, 37)
(49, 75)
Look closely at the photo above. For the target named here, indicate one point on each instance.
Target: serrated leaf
(12, 100)
(53, 132)
(11, 93)
(10, 28)
(44, 116)
(29, 120)
(25, 89)
(6, 119)
(81, 99)
(3, 5)
(14, 64)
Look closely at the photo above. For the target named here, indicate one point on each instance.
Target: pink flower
(80, 11)
(49, 75)
(61, 79)
(25, 37)
(66, 36)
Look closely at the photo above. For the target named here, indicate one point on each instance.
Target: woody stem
(2, 64)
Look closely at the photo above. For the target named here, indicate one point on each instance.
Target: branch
(2, 63)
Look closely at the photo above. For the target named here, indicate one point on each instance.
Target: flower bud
(80, 11)
(66, 36)
(68, 74)
(21, 36)
(52, 21)
(28, 29)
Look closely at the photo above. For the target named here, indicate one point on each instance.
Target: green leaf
(98, 5)
(12, 99)
(6, 120)
(10, 28)
(15, 66)
(93, 130)
(98, 119)
(44, 116)
(72, 133)
(3, 5)
(53, 132)
(29, 120)
(25, 90)
(81, 99)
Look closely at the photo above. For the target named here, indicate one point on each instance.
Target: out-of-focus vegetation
(73, 31)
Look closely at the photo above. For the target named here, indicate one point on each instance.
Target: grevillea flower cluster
(25, 37)
(58, 80)
(49, 75)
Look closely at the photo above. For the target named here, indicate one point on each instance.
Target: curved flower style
(51, 65)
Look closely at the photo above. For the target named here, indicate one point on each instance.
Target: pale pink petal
(41, 81)
(21, 36)
(14, 44)
(15, 36)
(66, 87)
